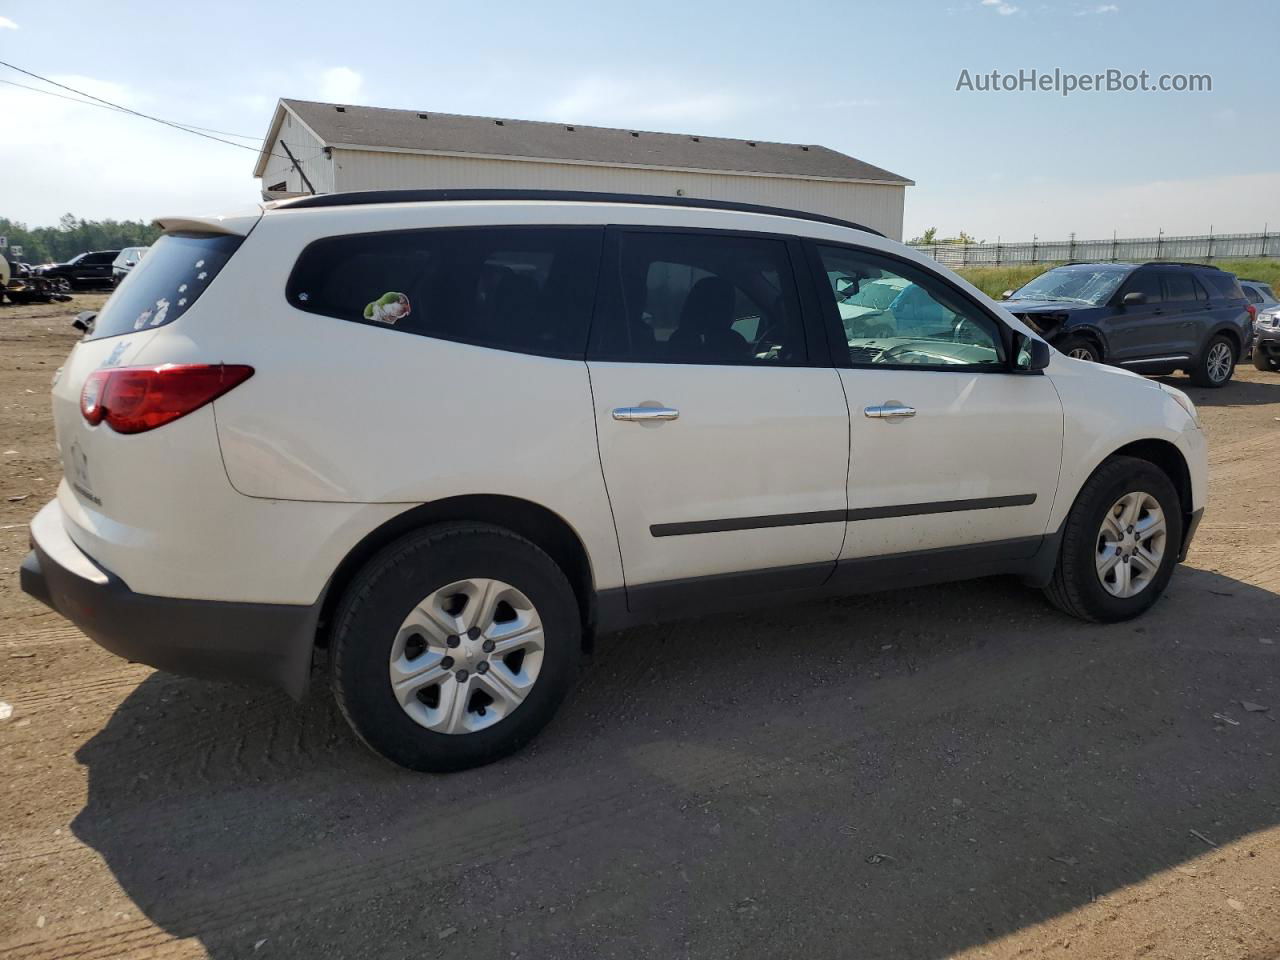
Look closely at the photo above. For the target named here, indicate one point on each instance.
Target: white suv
(451, 436)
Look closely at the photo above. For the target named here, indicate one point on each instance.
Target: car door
(1135, 331)
(1186, 313)
(722, 425)
(949, 448)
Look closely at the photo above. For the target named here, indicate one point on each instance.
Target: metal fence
(1224, 246)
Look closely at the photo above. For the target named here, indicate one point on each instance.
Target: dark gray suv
(1153, 318)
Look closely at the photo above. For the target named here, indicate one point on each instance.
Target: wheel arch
(1169, 460)
(1232, 334)
(1090, 333)
(536, 523)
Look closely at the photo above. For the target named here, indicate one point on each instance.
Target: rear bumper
(253, 642)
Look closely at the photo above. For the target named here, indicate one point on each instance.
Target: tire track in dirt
(295, 884)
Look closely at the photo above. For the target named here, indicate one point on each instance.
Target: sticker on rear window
(388, 308)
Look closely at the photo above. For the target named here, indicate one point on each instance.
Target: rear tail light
(137, 399)
(1253, 312)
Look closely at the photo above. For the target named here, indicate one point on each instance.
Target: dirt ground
(954, 771)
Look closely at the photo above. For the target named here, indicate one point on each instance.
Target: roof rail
(356, 197)
(1184, 263)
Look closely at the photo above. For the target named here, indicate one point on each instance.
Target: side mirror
(84, 320)
(1134, 298)
(1006, 295)
(1032, 355)
(847, 287)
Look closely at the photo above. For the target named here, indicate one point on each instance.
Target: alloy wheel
(1081, 353)
(466, 656)
(1218, 362)
(1131, 544)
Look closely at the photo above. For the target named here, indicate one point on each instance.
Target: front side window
(1147, 283)
(700, 298)
(525, 289)
(894, 314)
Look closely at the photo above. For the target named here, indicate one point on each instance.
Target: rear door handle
(643, 414)
(891, 410)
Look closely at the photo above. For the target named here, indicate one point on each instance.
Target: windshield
(1084, 284)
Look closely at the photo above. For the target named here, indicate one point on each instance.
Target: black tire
(375, 605)
(1200, 374)
(1081, 345)
(1263, 362)
(1075, 587)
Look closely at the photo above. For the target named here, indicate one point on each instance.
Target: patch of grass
(993, 281)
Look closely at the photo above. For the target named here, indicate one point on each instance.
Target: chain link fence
(1223, 246)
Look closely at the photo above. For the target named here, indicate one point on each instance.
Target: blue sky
(873, 79)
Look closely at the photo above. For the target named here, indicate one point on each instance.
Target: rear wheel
(1119, 544)
(1216, 364)
(1080, 348)
(454, 647)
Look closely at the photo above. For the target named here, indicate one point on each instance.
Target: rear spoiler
(237, 225)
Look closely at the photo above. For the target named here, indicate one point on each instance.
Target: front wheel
(454, 646)
(1119, 544)
(1263, 362)
(1216, 364)
(1079, 348)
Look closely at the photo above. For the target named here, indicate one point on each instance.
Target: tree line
(73, 235)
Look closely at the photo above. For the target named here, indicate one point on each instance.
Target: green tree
(73, 235)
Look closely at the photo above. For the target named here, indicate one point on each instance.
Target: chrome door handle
(889, 411)
(643, 414)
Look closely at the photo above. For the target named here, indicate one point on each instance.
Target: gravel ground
(952, 771)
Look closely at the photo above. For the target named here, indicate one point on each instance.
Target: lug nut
(487, 646)
(451, 640)
(482, 666)
(446, 663)
(1119, 551)
(461, 675)
(1130, 530)
(473, 632)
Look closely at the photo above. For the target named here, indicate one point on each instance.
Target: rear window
(525, 289)
(165, 283)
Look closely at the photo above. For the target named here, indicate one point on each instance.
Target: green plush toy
(388, 308)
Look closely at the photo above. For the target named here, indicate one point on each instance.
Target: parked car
(91, 269)
(1266, 339)
(1154, 318)
(452, 436)
(125, 261)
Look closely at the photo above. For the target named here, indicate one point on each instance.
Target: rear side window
(525, 289)
(1179, 286)
(165, 283)
(700, 298)
(1222, 284)
(1253, 295)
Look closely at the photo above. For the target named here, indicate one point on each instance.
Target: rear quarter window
(1222, 284)
(165, 283)
(524, 289)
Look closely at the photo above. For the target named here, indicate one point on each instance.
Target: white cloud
(100, 163)
(1000, 7)
(7, 24)
(1101, 8)
(651, 104)
(340, 85)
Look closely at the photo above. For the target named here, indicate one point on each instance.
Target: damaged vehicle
(1153, 318)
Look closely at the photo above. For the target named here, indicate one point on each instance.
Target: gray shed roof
(376, 127)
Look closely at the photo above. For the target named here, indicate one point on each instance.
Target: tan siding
(876, 205)
(309, 152)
